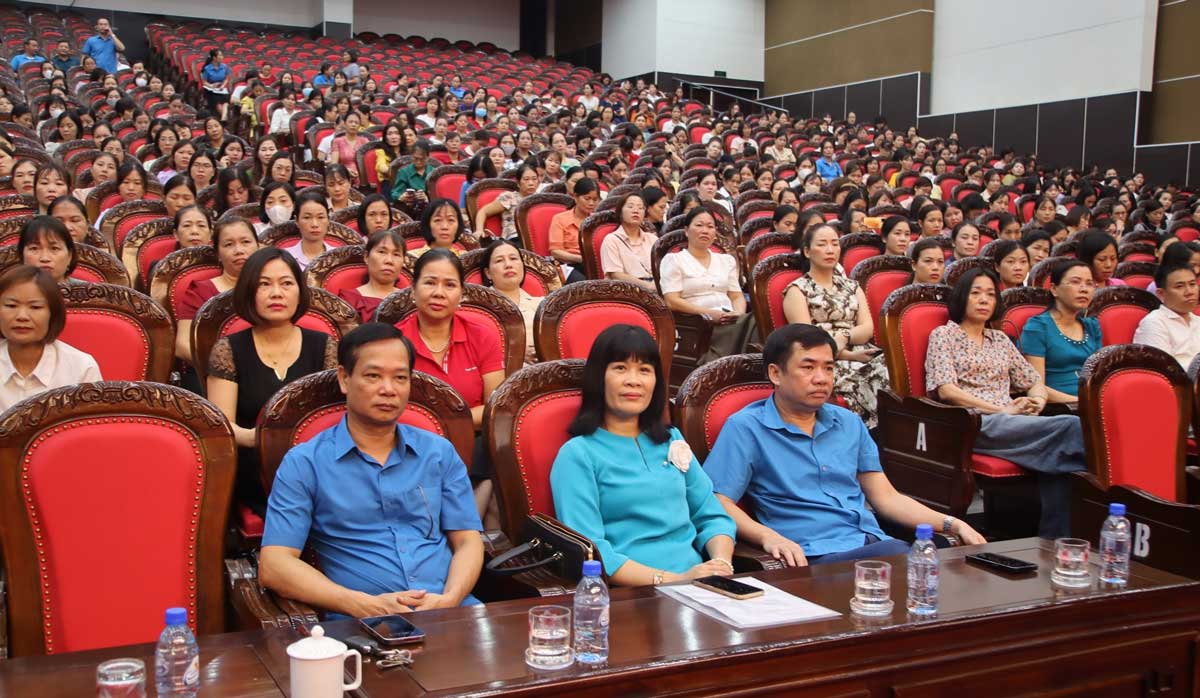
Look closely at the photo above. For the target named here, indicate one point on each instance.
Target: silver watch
(947, 524)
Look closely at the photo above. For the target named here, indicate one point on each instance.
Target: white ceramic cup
(318, 665)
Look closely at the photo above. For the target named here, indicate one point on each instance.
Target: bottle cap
(591, 568)
(924, 532)
(176, 616)
(1116, 509)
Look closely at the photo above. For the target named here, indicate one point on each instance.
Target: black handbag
(550, 546)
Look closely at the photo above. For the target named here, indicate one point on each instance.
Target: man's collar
(343, 441)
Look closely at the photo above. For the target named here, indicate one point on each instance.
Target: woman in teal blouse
(629, 482)
(1058, 341)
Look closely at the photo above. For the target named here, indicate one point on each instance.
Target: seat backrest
(217, 318)
(570, 319)
(878, 276)
(525, 423)
(956, 269)
(1120, 309)
(289, 233)
(592, 232)
(309, 405)
(343, 268)
(480, 302)
(769, 279)
(482, 193)
(541, 274)
(713, 392)
(533, 217)
(1135, 405)
(129, 335)
(446, 182)
(92, 559)
(1138, 274)
(177, 271)
(909, 315)
(859, 246)
(1019, 304)
(125, 216)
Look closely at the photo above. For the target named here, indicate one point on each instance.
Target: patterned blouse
(834, 310)
(987, 372)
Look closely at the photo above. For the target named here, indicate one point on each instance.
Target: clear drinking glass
(121, 678)
(1071, 567)
(872, 588)
(549, 638)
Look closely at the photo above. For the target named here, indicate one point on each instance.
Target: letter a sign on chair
(921, 445)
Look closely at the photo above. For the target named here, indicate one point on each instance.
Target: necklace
(274, 358)
(430, 348)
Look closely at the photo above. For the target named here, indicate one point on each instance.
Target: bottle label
(191, 677)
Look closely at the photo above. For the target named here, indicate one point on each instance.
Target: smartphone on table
(392, 630)
(728, 587)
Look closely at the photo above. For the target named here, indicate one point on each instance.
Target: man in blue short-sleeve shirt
(388, 508)
(809, 468)
(29, 56)
(103, 46)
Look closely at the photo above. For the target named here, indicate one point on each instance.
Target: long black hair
(621, 343)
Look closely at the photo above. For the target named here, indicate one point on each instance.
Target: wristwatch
(658, 578)
(947, 524)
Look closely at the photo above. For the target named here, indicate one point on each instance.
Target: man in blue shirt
(388, 508)
(103, 46)
(63, 59)
(809, 468)
(827, 167)
(30, 55)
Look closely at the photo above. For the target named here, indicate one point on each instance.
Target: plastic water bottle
(1114, 546)
(591, 616)
(177, 658)
(923, 573)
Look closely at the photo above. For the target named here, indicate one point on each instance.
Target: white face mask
(279, 215)
(803, 172)
(55, 113)
(508, 149)
(111, 101)
(48, 73)
(140, 82)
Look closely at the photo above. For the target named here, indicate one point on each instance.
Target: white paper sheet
(774, 607)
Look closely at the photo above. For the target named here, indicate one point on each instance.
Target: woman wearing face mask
(277, 205)
(32, 316)
(50, 182)
(374, 215)
(234, 241)
(384, 257)
(829, 299)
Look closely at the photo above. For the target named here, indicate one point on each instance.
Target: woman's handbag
(550, 546)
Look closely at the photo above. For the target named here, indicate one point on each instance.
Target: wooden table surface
(661, 647)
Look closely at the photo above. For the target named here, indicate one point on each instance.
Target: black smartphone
(728, 587)
(392, 630)
(1002, 563)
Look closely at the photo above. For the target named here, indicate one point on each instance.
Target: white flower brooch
(680, 455)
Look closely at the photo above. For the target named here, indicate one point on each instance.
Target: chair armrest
(252, 607)
(1054, 409)
(1192, 484)
(748, 558)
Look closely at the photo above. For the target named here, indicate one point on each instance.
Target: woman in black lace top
(246, 368)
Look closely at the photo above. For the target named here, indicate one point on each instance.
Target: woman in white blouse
(32, 360)
(699, 281)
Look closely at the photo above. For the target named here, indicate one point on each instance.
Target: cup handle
(357, 670)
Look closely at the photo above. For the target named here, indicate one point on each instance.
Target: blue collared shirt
(375, 529)
(804, 487)
(829, 170)
(103, 51)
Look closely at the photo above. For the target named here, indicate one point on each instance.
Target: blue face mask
(480, 112)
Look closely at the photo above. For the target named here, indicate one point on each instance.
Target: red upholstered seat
(851, 256)
(1020, 304)
(769, 279)
(917, 321)
(125, 331)
(533, 220)
(579, 326)
(541, 431)
(1141, 424)
(531, 283)
(78, 520)
(600, 232)
(87, 274)
(184, 279)
(992, 466)
(878, 277)
(153, 251)
(569, 320)
(1120, 309)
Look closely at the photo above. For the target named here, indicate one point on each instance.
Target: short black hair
(367, 333)
(246, 290)
(780, 344)
(426, 226)
(48, 227)
(1092, 243)
(434, 255)
(620, 343)
(962, 291)
(486, 262)
(1165, 270)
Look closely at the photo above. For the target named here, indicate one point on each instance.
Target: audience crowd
(273, 177)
